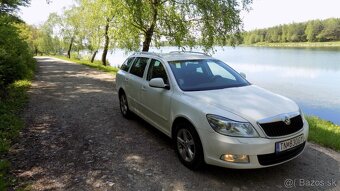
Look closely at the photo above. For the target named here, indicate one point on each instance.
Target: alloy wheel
(123, 104)
(186, 145)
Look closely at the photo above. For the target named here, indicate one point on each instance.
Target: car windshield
(205, 74)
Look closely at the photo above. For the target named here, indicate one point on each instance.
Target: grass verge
(324, 133)
(335, 44)
(11, 122)
(96, 64)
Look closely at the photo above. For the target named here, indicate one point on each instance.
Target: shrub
(15, 55)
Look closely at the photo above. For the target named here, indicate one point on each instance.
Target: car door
(135, 83)
(123, 75)
(156, 101)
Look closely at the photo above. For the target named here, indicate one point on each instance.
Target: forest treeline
(310, 31)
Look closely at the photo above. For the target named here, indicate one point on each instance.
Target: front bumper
(215, 145)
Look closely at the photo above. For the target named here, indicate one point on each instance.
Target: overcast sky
(264, 13)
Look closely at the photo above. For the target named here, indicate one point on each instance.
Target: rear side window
(126, 65)
(138, 66)
(157, 70)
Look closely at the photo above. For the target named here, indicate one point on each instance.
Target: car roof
(175, 55)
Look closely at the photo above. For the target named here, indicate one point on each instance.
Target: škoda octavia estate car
(213, 114)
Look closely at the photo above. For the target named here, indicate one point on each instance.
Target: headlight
(231, 128)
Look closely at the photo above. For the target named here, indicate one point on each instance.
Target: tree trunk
(70, 48)
(147, 39)
(149, 33)
(106, 43)
(94, 55)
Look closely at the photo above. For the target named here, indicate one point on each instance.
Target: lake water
(309, 76)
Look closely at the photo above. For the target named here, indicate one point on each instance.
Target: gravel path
(76, 139)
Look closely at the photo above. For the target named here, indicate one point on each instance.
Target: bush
(15, 55)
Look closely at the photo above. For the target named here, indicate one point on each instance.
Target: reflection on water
(323, 59)
(310, 76)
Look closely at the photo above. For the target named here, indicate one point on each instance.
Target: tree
(92, 25)
(186, 22)
(331, 30)
(296, 32)
(110, 12)
(47, 38)
(313, 28)
(8, 6)
(65, 27)
(104, 27)
(30, 35)
(70, 27)
(274, 34)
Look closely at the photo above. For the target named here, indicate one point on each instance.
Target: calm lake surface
(309, 76)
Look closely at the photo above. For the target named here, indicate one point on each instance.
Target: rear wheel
(124, 106)
(188, 146)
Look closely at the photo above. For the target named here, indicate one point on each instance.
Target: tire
(124, 106)
(188, 146)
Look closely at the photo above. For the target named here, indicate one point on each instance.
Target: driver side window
(157, 70)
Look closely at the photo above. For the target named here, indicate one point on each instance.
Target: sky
(37, 13)
(267, 13)
(264, 13)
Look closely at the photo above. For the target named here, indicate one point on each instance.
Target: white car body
(251, 104)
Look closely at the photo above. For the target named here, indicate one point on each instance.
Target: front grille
(274, 158)
(279, 128)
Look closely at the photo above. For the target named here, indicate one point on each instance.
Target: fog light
(235, 158)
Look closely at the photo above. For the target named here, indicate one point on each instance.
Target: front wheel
(124, 107)
(188, 146)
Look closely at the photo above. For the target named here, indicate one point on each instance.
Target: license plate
(288, 144)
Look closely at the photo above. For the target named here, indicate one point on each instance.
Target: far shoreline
(334, 44)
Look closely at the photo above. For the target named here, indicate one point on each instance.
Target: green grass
(96, 64)
(324, 133)
(11, 122)
(335, 44)
(4, 179)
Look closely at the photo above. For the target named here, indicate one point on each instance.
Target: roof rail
(190, 52)
(144, 52)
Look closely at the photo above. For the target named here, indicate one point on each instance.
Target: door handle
(126, 79)
(143, 88)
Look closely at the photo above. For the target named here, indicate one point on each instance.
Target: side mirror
(243, 75)
(158, 83)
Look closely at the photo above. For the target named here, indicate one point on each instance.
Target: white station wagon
(213, 114)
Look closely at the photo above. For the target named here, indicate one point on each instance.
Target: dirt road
(76, 139)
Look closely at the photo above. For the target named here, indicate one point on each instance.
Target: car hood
(249, 102)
